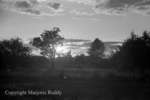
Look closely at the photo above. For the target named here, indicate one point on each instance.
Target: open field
(76, 89)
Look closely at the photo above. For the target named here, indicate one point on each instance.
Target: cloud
(86, 2)
(32, 11)
(26, 7)
(1, 1)
(34, 2)
(143, 8)
(33, 7)
(58, 7)
(81, 13)
(116, 7)
(120, 7)
(42, 0)
(54, 5)
(23, 4)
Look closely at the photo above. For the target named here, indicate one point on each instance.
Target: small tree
(47, 43)
(13, 47)
(97, 48)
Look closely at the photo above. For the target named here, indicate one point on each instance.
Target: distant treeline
(133, 56)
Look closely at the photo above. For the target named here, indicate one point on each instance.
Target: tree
(134, 54)
(47, 43)
(14, 47)
(10, 52)
(97, 48)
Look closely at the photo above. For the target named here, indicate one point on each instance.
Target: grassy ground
(75, 88)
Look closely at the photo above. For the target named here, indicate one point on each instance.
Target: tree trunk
(52, 60)
(53, 56)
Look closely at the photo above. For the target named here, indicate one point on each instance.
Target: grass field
(75, 88)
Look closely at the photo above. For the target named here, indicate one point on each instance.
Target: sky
(108, 20)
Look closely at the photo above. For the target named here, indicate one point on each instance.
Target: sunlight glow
(62, 49)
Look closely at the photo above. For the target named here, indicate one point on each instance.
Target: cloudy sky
(109, 20)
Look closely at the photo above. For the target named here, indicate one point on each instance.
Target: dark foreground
(74, 89)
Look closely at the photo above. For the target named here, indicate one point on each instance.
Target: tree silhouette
(97, 48)
(47, 43)
(134, 54)
(10, 51)
(13, 47)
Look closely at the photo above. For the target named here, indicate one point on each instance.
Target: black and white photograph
(75, 49)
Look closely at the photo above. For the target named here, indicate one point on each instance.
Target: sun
(61, 49)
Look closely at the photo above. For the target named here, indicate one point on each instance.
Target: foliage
(47, 42)
(11, 51)
(97, 48)
(134, 54)
(13, 47)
